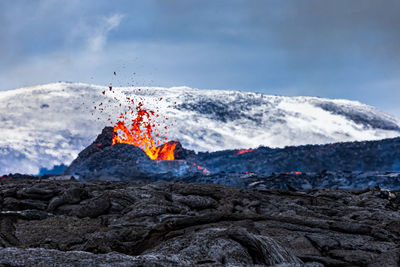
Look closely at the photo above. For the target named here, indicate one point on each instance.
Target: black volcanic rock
(104, 161)
(170, 224)
(340, 165)
(382, 155)
(117, 161)
(180, 153)
(102, 141)
(298, 181)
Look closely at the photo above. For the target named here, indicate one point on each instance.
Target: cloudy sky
(336, 49)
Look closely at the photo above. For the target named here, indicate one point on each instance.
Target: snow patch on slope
(50, 124)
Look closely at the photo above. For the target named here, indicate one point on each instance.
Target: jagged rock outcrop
(67, 223)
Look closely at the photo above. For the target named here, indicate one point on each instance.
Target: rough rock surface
(343, 165)
(381, 155)
(290, 180)
(299, 180)
(101, 158)
(104, 161)
(68, 223)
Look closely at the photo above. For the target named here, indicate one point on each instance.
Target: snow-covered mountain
(50, 124)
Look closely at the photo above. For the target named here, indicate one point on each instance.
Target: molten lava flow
(165, 151)
(240, 152)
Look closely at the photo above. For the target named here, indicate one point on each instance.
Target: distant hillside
(48, 125)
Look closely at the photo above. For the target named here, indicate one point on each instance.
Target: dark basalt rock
(104, 161)
(101, 150)
(170, 224)
(298, 181)
(381, 155)
(117, 161)
(124, 162)
(181, 153)
(372, 163)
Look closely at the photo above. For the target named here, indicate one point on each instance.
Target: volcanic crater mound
(104, 161)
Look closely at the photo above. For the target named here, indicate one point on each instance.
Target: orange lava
(165, 152)
(204, 170)
(141, 132)
(240, 152)
(137, 125)
(297, 173)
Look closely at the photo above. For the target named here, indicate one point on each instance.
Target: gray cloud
(342, 49)
(313, 28)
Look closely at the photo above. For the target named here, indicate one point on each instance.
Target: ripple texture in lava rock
(68, 223)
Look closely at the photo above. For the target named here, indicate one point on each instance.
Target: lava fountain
(139, 127)
(141, 133)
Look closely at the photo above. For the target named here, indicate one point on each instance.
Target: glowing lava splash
(139, 127)
(240, 152)
(140, 133)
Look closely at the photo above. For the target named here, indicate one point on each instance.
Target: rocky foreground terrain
(125, 223)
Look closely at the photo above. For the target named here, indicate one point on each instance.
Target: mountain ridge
(50, 124)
